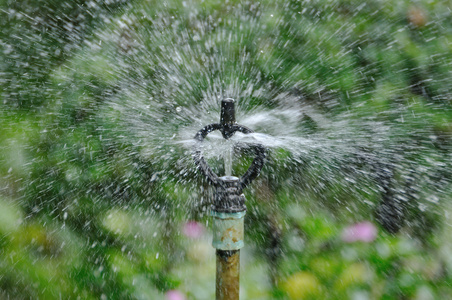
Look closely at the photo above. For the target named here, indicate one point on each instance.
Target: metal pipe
(228, 275)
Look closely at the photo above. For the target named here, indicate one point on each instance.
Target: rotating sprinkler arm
(229, 207)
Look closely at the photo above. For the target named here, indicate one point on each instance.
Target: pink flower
(363, 232)
(193, 229)
(174, 295)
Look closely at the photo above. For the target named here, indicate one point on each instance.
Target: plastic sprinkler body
(228, 209)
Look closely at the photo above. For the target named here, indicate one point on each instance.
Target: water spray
(228, 209)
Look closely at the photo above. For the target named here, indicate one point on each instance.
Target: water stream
(228, 156)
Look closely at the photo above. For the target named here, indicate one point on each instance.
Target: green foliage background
(81, 214)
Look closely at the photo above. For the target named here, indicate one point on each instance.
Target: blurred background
(100, 101)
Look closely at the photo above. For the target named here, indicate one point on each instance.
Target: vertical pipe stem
(228, 275)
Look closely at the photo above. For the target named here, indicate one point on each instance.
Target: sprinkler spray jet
(228, 209)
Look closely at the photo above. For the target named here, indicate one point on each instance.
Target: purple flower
(174, 295)
(193, 229)
(363, 232)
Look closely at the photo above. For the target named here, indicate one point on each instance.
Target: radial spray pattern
(172, 65)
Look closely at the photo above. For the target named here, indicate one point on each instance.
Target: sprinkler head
(228, 127)
(228, 209)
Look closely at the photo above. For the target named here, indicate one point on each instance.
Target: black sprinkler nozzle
(227, 117)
